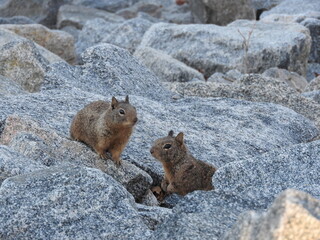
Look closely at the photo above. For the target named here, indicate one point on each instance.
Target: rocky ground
(246, 94)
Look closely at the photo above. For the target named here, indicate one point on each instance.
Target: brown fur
(101, 125)
(182, 172)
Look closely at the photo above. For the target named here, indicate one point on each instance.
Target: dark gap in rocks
(259, 12)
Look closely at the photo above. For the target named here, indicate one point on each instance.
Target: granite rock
(221, 12)
(12, 163)
(16, 20)
(313, 85)
(43, 12)
(152, 216)
(9, 87)
(21, 61)
(77, 16)
(58, 42)
(258, 180)
(254, 88)
(165, 67)
(292, 7)
(128, 35)
(293, 215)
(293, 79)
(111, 70)
(211, 48)
(107, 5)
(68, 202)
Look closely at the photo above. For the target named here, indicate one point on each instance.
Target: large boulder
(166, 67)
(255, 88)
(43, 12)
(313, 85)
(111, 70)
(211, 48)
(68, 202)
(293, 215)
(221, 12)
(48, 148)
(12, 163)
(77, 16)
(58, 42)
(21, 61)
(16, 20)
(129, 34)
(107, 5)
(293, 7)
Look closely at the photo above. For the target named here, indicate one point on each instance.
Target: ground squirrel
(183, 173)
(105, 126)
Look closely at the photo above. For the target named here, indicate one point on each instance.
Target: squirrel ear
(170, 133)
(127, 99)
(179, 138)
(114, 102)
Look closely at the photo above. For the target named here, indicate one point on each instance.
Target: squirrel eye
(122, 112)
(167, 146)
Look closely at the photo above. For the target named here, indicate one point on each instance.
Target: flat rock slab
(68, 202)
(211, 48)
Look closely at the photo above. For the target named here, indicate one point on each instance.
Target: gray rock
(92, 33)
(221, 12)
(12, 163)
(312, 68)
(211, 48)
(149, 199)
(254, 88)
(149, 18)
(76, 16)
(21, 61)
(58, 42)
(165, 67)
(177, 14)
(313, 85)
(73, 31)
(9, 87)
(314, 27)
(228, 77)
(141, 6)
(293, 79)
(43, 12)
(16, 20)
(292, 7)
(48, 148)
(129, 34)
(107, 5)
(201, 215)
(258, 180)
(293, 215)
(111, 70)
(152, 216)
(68, 202)
(313, 95)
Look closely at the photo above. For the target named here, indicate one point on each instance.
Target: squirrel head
(123, 112)
(169, 149)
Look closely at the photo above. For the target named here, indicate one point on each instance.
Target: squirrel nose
(151, 151)
(135, 120)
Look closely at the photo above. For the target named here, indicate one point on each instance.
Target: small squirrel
(183, 173)
(105, 126)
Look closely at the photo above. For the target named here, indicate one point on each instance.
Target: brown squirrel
(105, 126)
(183, 173)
